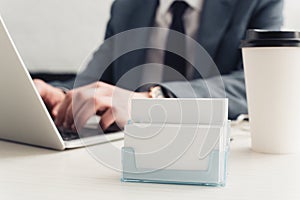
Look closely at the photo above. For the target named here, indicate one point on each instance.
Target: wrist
(156, 92)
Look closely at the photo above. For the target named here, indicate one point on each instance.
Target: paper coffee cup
(272, 73)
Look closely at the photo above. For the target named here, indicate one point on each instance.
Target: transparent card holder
(212, 170)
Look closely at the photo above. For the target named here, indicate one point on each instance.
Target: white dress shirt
(163, 19)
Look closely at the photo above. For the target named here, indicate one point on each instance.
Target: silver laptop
(23, 115)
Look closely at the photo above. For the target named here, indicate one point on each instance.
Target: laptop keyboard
(68, 135)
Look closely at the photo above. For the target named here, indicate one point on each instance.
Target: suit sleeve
(266, 16)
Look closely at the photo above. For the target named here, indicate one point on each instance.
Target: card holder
(209, 169)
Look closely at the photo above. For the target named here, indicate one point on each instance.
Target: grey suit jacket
(222, 27)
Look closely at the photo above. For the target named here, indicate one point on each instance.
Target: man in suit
(217, 25)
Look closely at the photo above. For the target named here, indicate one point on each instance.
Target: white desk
(35, 173)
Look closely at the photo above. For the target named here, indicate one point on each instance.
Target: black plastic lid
(263, 38)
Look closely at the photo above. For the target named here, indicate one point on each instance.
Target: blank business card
(180, 111)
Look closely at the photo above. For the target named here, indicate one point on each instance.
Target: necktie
(172, 60)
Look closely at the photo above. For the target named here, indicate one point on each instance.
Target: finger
(87, 94)
(62, 109)
(83, 94)
(90, 108)
(51, 96)
(69, 119)
(40, 86)
(55, 110)
(75, 101)
(83, 116)
(80, 97)
(107, 119)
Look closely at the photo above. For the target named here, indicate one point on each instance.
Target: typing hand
(108, 101)
(51, 96)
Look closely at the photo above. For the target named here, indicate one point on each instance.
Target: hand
(51, 96)
(108, 101)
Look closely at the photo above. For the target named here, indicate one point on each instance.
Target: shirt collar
(194, 4)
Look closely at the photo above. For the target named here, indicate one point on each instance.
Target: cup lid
(265, 38)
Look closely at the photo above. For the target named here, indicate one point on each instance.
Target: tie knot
(178, 8)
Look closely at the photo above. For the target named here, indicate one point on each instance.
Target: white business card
(180, 111)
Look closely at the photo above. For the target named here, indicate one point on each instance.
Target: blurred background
(57, 36)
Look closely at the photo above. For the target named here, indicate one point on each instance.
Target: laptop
(24, 117)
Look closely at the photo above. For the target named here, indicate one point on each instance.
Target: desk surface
(35, 173)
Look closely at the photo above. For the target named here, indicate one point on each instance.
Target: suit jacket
(223, 25)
